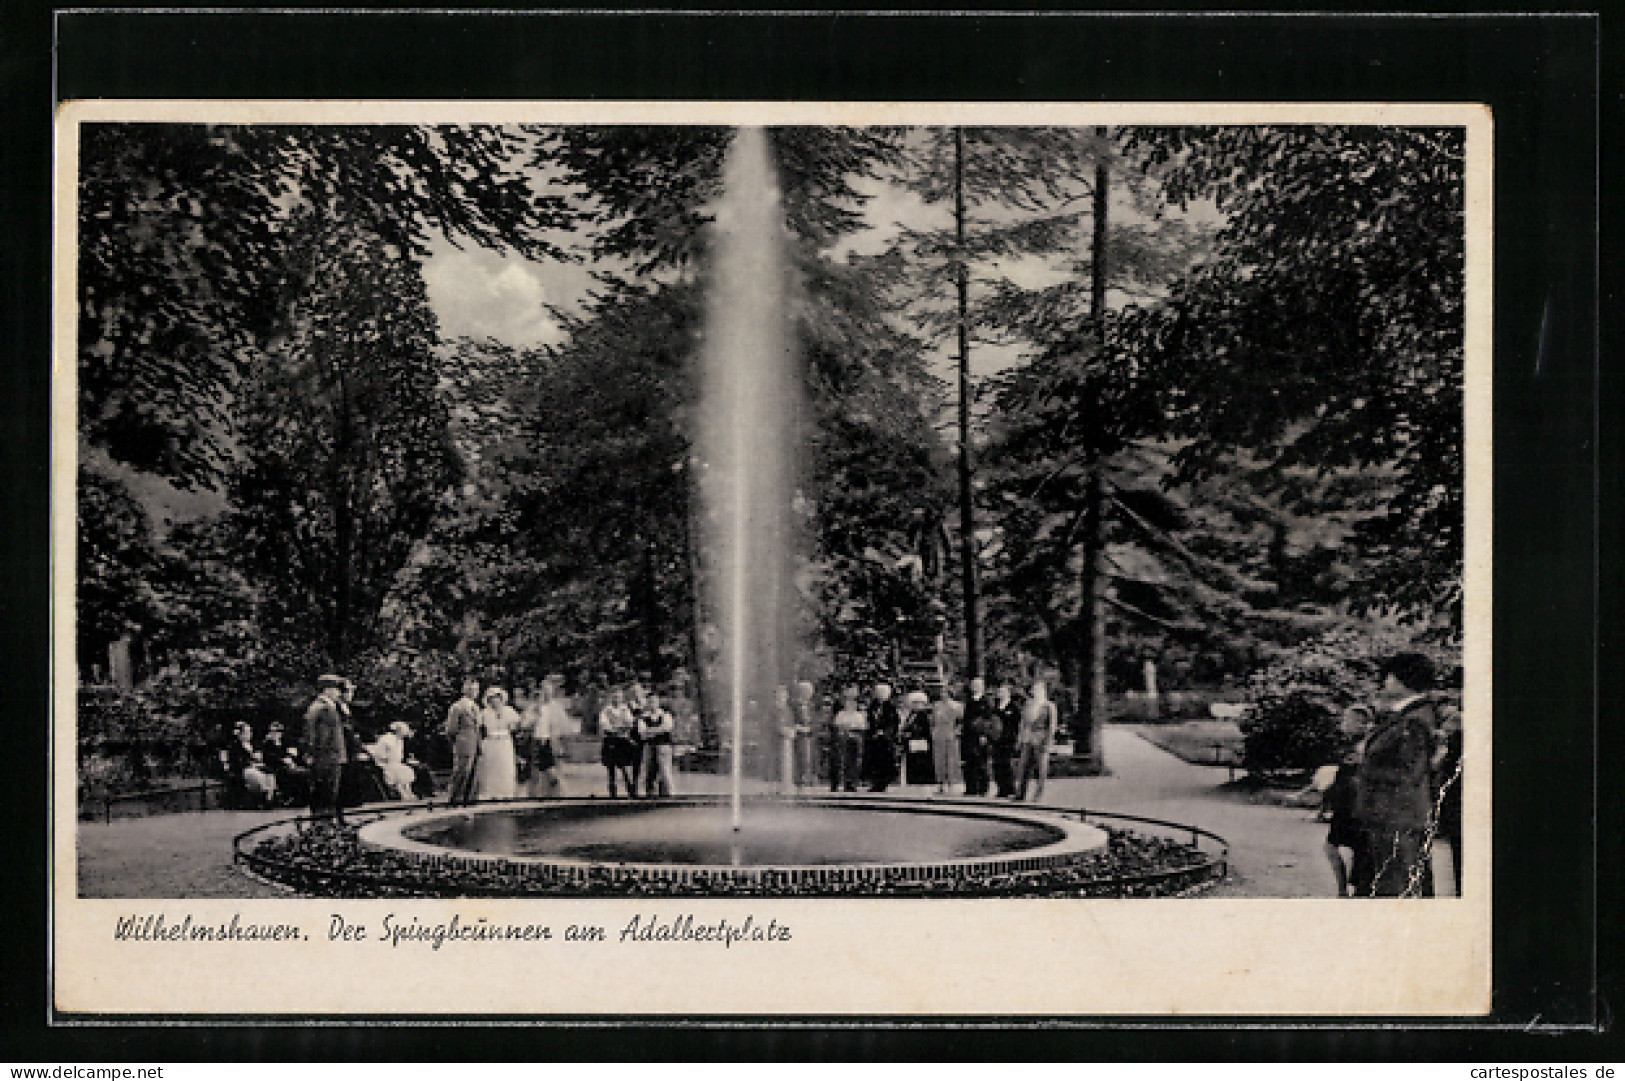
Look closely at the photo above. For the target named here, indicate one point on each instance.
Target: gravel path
(169, 855)
(1274, 851)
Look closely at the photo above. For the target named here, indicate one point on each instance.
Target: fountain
(832, 845)
(746, 444)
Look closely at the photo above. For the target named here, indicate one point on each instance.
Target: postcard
(571, 559)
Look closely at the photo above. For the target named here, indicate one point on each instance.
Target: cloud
(479, 293)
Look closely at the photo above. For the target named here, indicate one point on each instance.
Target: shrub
(415, 688)
(1299, 699)
(130, 740)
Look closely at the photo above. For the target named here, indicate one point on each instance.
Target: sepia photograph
(495, 519)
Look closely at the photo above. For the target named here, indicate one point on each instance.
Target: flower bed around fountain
(1036, 852)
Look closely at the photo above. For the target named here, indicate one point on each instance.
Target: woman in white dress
(389, 753)
(496, 776)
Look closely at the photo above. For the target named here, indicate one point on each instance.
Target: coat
(324, 740)
(1009, 718)
(885, 722)
(1393, 793)
(981, 725)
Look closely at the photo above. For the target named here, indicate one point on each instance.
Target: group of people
(248, 766)
(332, 767)
(996, 741)
(486, 732)
(638, 750)
(1396, 789)
(1006, 743)
(274, 771)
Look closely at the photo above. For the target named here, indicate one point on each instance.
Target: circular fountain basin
(783, 840)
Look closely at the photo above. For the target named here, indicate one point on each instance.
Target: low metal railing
(181, 798)
(1215, 865)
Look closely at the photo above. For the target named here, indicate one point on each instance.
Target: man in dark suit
(976, 738)
(885, 728)
(324, 744)
(1008, 712)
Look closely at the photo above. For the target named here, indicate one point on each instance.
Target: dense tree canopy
(1264, 390)
(599, 489)
(1326, 330)
(346, 445)
(177, 242)
(649, 189)
(184, 231)
(118, 556)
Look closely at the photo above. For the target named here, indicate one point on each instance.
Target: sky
(479, 293)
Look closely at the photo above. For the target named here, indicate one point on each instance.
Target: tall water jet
(748, 426)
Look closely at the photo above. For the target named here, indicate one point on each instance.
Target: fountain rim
(299, 878)
(1078, 838)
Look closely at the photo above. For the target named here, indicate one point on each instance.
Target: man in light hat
(324, 745)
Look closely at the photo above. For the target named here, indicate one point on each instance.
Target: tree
(1015, 194)
(253, 318)
(598, 489)
(876, 482)
(176, 235)
(1027, 259)
(475, 544)
(1191, 434)
(184, 230)
(208, 601)
(1326, 331)
(117, 554)
(346, 450)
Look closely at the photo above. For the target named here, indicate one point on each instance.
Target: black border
(1540, 76)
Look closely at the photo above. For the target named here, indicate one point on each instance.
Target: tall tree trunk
(343, 491)
(343, 599)
(651, 611)
(967, 505)
(1092, 657)
(1092, 669)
